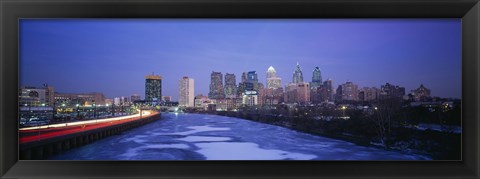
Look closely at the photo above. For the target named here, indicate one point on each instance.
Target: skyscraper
(252, 81)
(216, 86)
(348, 91)
(389, 91)
(230, 86)
(153, 88)
(186, 97)
(368, 94)
(273, 81)
(328, 84)
(297, 75)
(242, 86)
(316, 78)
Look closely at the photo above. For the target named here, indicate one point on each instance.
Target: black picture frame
(12, 10)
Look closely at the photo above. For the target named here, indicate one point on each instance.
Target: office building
(33, 96)
(242, 85)
(421, 93)
(135, 97)
(153, 88)
(202, 102)
(297, 75)
(347, 92)
(368, 94)
(186, 92)
(297, 93)
(216, 86)
(316, 78)
(390, 91)
(328, 85)
(167, 98)
(273, 81)
(230, 86)
(273, 96)
(82, 99)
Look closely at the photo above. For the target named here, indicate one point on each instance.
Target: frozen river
(210, 137)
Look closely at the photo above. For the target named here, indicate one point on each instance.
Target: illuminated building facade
(216, 86)
(153, 88)
(230, 86)
(135, 97)
(390, 91)
(421, 93)
(82, 99)
(348, 92)
(186, 92)
(167, 98)
(316, 78)
(368, 94)
(297, 75)
(273, 81)
(328, 85)
(33, 96)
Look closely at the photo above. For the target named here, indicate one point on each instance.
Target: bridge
(40, 142)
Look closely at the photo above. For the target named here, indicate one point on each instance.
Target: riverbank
(434, 144)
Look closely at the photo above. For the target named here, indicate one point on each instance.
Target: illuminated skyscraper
(252, 81)
(216, 86)
(348, 92)
(186, 97)
(230, 86)
(153, 88)
(316, 78)
(242, 85)
(273, 81)
(368, 94)
(297, 75)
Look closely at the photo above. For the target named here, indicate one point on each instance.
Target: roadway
(56, 130)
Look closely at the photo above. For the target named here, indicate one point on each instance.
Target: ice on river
(245, 151)
(210, 137)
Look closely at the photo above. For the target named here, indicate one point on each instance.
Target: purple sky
(113, 56)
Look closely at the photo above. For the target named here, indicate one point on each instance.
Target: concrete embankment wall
(42, 149)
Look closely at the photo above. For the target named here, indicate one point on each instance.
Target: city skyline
(106, 54)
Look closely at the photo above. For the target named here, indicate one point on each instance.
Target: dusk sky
(113, 56)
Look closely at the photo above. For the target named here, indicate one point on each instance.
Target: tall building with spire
(297, 75)
(316, 78)
(273, 81)
(216, 86)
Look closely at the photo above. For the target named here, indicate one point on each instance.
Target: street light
(344, 108)
(94, 110)
(78, 113)
(106, 110)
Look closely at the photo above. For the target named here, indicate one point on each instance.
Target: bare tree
(383, 118)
